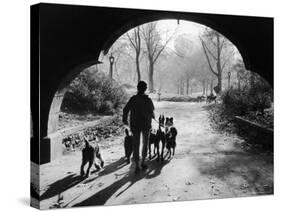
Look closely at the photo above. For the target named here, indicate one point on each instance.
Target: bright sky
(192, 29)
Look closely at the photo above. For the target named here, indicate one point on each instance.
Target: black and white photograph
(133, 106)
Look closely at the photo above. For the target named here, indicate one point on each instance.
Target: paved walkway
(207, 164)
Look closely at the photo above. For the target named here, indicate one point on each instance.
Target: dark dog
(156, 137)
(153, 141)
(200, 98)
(128, 145)
(89, 154)
(211, 98)
(171, 134)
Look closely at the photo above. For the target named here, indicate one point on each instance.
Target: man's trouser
(136, 145)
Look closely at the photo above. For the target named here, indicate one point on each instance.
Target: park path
(207, 164)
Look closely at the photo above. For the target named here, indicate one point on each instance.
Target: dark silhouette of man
(141, 110)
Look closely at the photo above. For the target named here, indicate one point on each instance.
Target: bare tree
(154, 48)
(213, 44)
(135, 42)
(184, 52)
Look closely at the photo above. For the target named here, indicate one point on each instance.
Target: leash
(155, 120)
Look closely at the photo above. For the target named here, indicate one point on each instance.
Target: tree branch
(227, 60)
(131, 41)
(222, 43)
(163, 47)
(208, 59)
(210, 52)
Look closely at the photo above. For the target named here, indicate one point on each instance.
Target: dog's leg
(82, 167)
(158, 152)
(100, 158)
(89, 167)
(162, 151)
(167, 153)
(95, 163)
(170, 153)
(149, 150)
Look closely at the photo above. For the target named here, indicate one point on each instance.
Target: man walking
(141, 111)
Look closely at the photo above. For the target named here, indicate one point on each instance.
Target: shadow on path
(72, 180)
(61, 186)
(101, 197)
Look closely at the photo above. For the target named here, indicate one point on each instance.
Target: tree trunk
(204, 87)
(150, 78)
(178, 87)
(219, 84)
(219, 68)
(182, 87)
(211, 87)
(138, 68)
(187, 86)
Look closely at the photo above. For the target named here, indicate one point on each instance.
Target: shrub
(251, 98)
(235, 101)
(93, 92)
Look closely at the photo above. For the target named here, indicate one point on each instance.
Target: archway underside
(65, 43)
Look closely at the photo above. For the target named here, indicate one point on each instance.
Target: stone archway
(74, 35)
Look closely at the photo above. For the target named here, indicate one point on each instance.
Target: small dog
(128, 145)
(200, 98)
(171, 134)
(211, 98)
(89, 155)
(153, 140)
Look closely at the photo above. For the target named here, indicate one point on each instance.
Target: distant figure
(128, 145)
(159, 96)
(141, 111)
(211, 98)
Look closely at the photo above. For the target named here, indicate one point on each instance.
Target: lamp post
(229, 74)
(111, 61)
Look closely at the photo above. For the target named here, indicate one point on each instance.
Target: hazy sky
(192, 29)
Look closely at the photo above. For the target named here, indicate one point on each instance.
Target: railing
(261, 134)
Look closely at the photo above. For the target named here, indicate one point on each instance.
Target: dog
(200, 98)
(128, 145)
(89, 154)
(155, 138)
(153, 141)
(171, 134)
(211, 98)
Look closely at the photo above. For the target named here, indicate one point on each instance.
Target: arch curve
(70, 35)
(175, 16)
